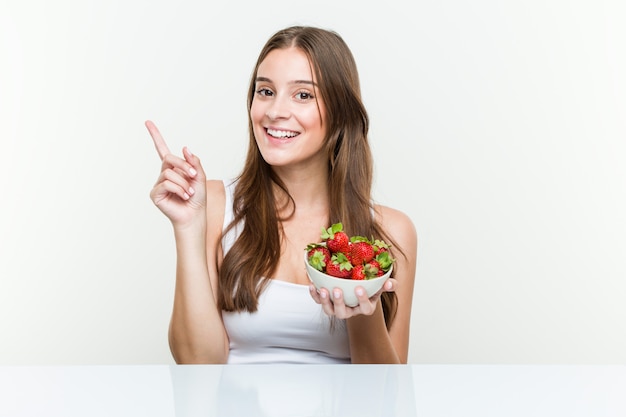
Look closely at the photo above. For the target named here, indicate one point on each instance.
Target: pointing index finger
(159, 142)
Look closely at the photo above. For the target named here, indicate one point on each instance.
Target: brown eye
(304, 95)
(264, 92)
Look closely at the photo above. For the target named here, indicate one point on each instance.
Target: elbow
(185, 353)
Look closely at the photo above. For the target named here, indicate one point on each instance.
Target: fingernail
(336, 293)
(323, 294)
(192, 172)
(192, 191)
(186, 196)
(359, 292)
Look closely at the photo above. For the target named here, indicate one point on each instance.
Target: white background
(498, 127)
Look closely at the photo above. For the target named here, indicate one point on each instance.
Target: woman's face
(288, 116)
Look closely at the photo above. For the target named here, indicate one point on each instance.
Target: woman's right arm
(196, 333)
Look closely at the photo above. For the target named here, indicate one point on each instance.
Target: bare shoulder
(399, 226)
(215, 188)
(216, 200)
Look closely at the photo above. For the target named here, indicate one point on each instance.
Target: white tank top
(288, 326)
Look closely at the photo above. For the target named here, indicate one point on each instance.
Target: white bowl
(347, 285)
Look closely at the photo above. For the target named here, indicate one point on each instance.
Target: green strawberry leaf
(330, 232)
(385, 261)
(354, 239)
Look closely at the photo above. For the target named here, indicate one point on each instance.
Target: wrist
(367, 326)
(192, 228)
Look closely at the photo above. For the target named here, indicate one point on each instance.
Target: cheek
(312, 119)
(256, 119)
(256, 112)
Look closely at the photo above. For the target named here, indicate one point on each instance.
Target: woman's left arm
(370, 341)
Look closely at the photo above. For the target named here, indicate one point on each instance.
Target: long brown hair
(350, 168)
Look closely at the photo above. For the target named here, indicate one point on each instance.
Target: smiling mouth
(281, 134)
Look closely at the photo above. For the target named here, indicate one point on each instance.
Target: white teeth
(281, 133)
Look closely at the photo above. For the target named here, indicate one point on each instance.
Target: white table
(302, 390)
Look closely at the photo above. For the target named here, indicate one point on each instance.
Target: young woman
(242, 294)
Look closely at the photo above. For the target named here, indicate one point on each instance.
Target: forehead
(286, 65)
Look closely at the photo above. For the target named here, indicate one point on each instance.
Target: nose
(277, 109)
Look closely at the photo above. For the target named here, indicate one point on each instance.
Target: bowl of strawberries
(346, 262)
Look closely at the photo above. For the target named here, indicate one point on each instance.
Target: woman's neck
(308, 191)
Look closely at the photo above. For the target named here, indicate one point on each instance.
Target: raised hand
(180, 191)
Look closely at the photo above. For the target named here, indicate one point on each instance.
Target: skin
(289, 124)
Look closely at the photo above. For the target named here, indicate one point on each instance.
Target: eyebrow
(267, 80)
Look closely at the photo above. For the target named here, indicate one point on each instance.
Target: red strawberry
(385, 260)
(366, 271)
(336, 239)
(375, 269)
(339, 266)
(361, 250)
(318, 256)
(358, 272)
(380, 246)
(348, 252)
